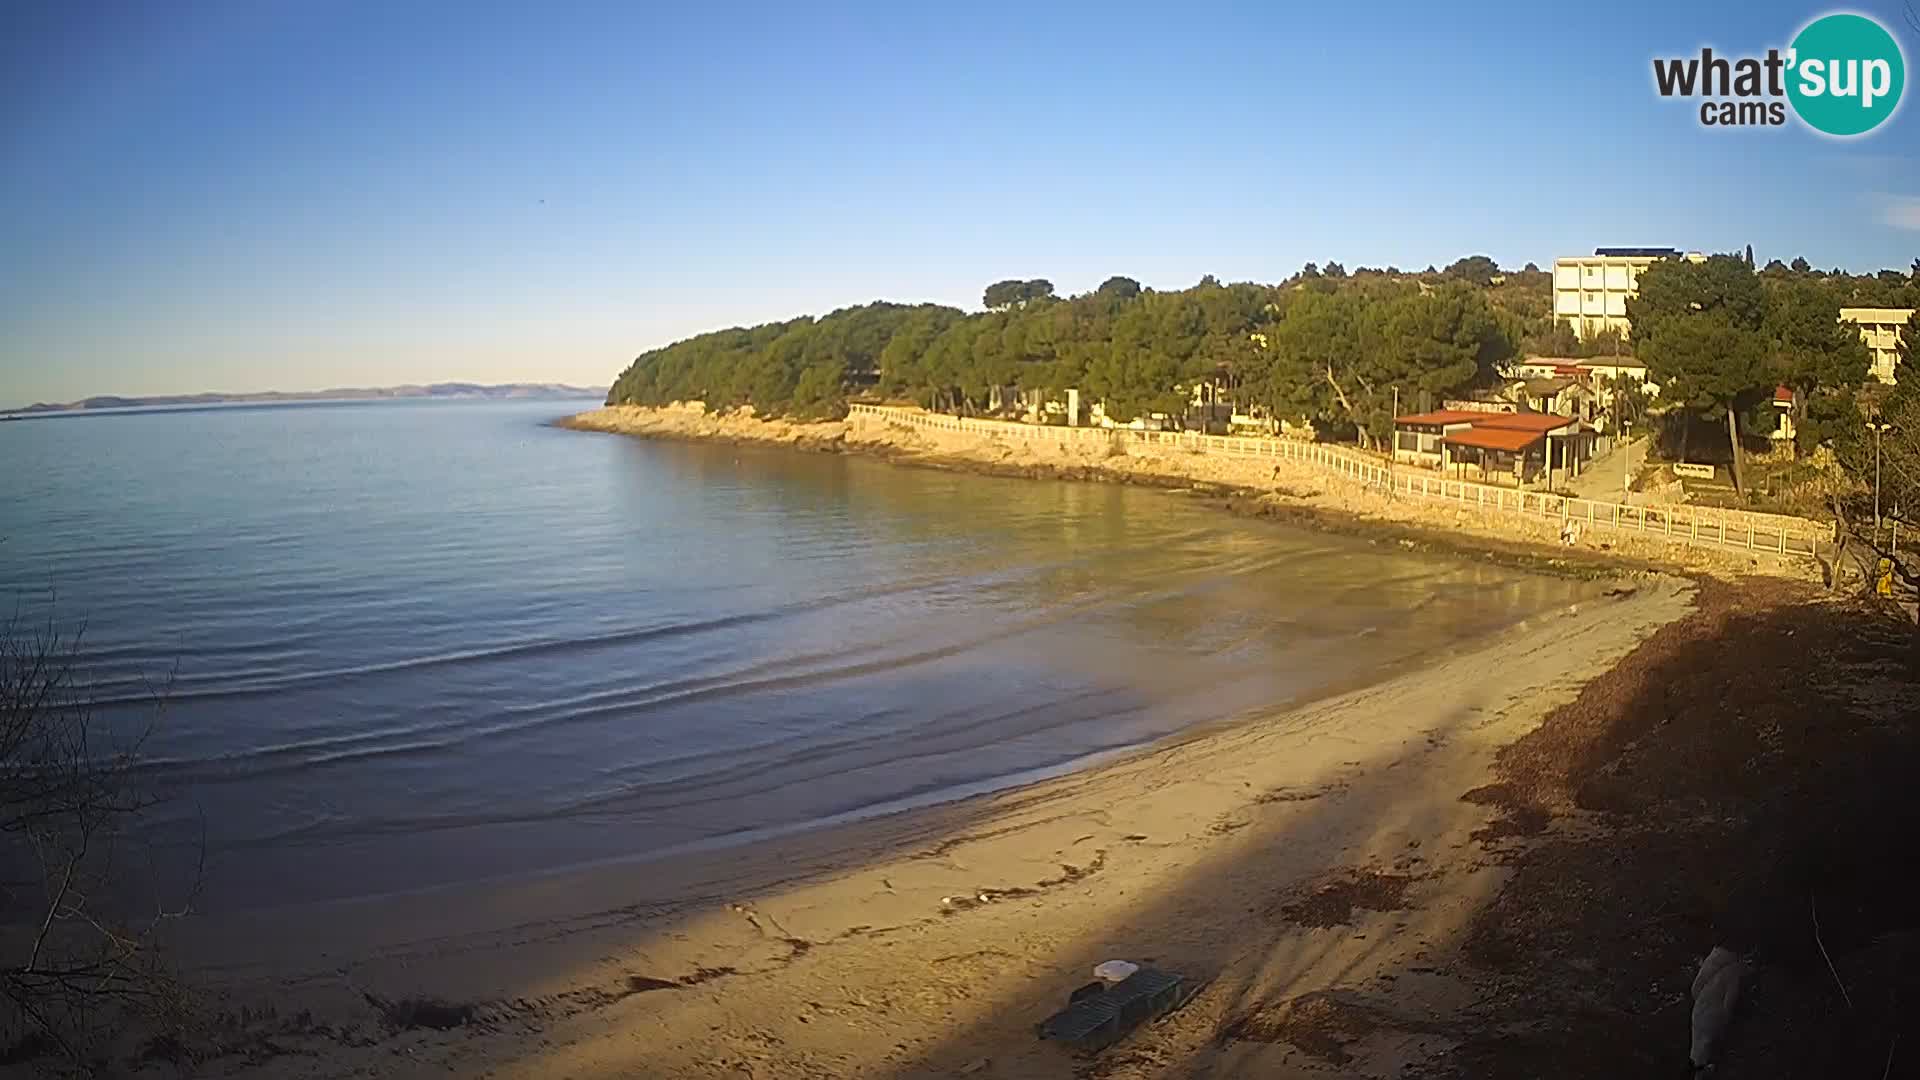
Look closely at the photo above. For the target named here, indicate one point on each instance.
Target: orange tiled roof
(1495, 438)
(1534, 422)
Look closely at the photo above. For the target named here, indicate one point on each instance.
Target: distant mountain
(448, 391)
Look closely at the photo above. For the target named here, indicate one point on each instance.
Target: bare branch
(66, 797)
(54, 909)
(1814, 906)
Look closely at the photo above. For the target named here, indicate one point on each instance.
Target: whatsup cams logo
(1842, 76)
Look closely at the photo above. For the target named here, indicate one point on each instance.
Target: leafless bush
(76, 932)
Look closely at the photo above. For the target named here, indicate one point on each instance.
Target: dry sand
(1503, 864)
(1314, 868)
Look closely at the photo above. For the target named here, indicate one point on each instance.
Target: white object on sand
(1113, 972)
(1716, 990)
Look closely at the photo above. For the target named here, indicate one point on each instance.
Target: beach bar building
(1417, 438)
(1495, 446)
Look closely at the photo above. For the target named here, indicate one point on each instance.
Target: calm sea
(409, 644)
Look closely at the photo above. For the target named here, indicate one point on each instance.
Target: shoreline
(934, 799)
(857, 948)
(1275, 489)
(1003, 900)
(1505, 858)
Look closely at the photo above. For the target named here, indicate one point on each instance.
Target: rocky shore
(1291, 491)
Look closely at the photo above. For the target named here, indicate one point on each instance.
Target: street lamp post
(1393, 446)
(1878, 427)
(1626, 468)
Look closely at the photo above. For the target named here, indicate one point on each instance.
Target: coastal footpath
(1303, 483)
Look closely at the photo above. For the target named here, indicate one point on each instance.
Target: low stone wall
(1682, 525)
(1292, 476)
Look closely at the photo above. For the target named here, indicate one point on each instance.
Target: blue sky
(241, 196)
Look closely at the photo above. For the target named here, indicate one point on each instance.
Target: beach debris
(983, 896)
(1332, 899)
(753, 917)
(1716, 991)
(421, 1012)
(1111, 972)
(1098, 1014)
(975, 1066)
(706, 974)
(1069, 874)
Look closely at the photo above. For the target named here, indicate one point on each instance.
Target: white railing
(1691, 525)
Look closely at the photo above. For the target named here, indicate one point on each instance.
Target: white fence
(1680, 524)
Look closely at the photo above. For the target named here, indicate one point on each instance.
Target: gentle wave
(757, 678)
(490, 654)
(547, 715)
(408, 644)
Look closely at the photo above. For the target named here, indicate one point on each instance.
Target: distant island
(441, 391)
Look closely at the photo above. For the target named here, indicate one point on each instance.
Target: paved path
(1599, 479)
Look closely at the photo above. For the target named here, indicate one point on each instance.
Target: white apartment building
(1590, 293)
(1881, 329)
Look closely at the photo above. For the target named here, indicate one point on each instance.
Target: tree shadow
(1742, 779)
(1323, 869)
(1735, 774)
(1303, 883)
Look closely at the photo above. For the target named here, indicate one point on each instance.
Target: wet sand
(928, 944)
(1502, 863)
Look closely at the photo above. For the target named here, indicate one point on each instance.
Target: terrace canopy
(1496, 451)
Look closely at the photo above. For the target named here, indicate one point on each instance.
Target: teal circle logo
(1846, 73)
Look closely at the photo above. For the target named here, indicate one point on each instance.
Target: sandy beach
(1325, 850)
(688, 543)
(1393, 881)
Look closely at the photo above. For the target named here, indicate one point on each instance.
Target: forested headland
(1325, 345)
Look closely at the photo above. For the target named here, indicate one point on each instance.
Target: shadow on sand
(1745, 768)
(1746, 771)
